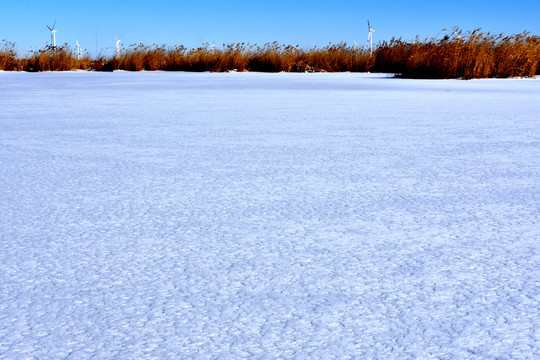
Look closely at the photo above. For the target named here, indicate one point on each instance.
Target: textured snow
(243, 215)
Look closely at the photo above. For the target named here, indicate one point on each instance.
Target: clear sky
(302, 22)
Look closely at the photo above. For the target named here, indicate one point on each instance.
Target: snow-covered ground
(242, 215)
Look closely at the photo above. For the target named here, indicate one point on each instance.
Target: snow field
(294, 216)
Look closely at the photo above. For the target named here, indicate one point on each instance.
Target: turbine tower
(117, 47)
(79, 51)
(53, 34)
(370, 38)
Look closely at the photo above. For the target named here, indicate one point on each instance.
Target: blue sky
(306, 23)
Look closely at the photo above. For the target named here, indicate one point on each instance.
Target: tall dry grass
(458, 54)
(461, 55)
(59, 58)
(339, 58)
(8, 56)
(271, 57)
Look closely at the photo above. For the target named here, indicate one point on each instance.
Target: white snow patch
(244, 215)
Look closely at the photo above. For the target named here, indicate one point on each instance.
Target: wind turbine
(53, 34)
(117, 46)
(79, 51)
(370, 38)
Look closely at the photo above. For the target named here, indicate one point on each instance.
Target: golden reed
(458, 54)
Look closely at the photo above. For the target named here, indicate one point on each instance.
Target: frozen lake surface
(243, 215)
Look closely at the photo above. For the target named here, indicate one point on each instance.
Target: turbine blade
(54, 24)
(48, 27)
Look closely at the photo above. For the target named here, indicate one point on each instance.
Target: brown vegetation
(58, 58)
(241, 57)
(467, 56)
(8, 56)
(457, 55)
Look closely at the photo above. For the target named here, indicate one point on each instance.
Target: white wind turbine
(370, 38)
(118, 41)
(53, 34)
(79, 51)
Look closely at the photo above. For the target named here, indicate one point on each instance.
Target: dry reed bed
(8, 56)
(461, 55)
(241, 57)
(457, 55)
